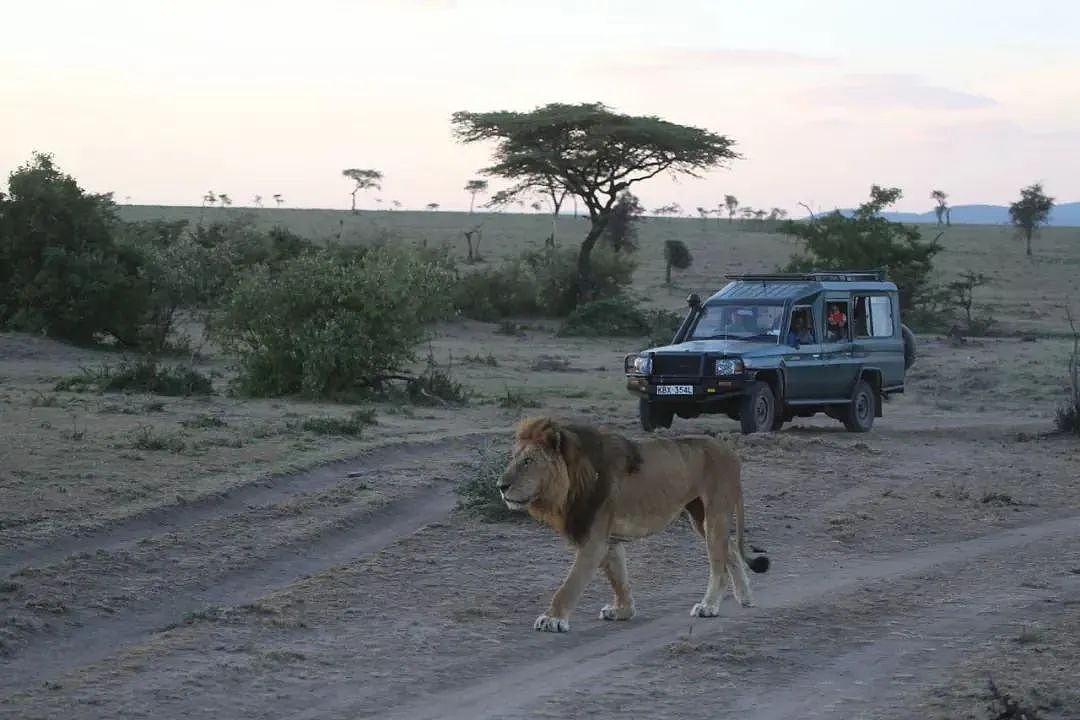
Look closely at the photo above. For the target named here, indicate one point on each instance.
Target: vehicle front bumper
(705, 390)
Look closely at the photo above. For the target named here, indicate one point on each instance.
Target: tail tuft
(759, 564)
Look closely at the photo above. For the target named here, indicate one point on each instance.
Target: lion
(600, 490)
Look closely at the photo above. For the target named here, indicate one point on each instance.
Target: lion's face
(528, 476)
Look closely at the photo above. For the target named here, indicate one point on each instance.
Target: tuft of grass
(479, 359)
(143, 375)
(517, 400)
(351, 426)
(147, 438)
(204, 422)
(476, 491)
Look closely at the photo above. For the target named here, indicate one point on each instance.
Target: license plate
(674, 389)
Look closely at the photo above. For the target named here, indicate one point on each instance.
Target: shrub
(621, 316)
(1068, 416)
(539, 283)
(477, 493)
(144, 375)
(324, 325)
(351, 426)
(61, 272)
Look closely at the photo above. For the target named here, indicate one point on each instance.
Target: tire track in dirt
(561, 667)
(101, 637)
(276, 489)
(866, 678)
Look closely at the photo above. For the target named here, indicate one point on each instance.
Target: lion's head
(537, 472)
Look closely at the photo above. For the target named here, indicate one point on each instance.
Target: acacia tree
(473, 187)
(432, 206)
(942, 208)
(364, 179)
(732, 204)
(676, 255)
(593, 153)
(278, 199)
(1030, 211)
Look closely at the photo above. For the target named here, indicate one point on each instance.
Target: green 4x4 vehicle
(766, 349)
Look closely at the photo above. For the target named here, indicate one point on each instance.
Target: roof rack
(817, 275)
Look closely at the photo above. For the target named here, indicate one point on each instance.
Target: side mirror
(693, 300)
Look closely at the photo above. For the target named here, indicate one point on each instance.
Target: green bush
(477, 492)
(539, 283)
(351, 426)
(61, 272)
(144, 375)
(326, 326)
(621, 316)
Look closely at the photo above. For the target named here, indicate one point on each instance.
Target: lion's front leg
(615, 568)
(586, 561)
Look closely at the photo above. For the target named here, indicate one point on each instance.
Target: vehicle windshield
(748, 321)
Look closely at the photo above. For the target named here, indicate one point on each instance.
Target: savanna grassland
(208, 555)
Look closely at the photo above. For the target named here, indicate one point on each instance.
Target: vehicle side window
(801, 329)
(873, 316)
(836, 321)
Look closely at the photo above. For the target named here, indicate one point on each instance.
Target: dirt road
(897, 557)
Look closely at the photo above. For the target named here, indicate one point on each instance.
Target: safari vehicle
(766, 349)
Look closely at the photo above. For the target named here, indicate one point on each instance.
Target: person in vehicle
(837, 322)
(800, 333)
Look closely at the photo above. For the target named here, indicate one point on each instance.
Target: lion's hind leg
(736, 571)
(614, 565)
(716, 544)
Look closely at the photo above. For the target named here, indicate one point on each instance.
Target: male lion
(600, 489)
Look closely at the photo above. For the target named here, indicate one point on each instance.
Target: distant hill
(1063, 215)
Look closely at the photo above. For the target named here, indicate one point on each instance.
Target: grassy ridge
(1024, 295)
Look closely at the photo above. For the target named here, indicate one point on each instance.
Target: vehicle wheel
(653, 417)
(758, 412)
(860, 415)
(909, 346)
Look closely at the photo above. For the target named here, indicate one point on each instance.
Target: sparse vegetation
(142, 375)
(676, 255)
(1031, 211)
(1068, 415)
(351, 426)
(477, 492)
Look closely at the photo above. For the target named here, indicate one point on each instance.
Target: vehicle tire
(653, 417)
(758, 412)
(860, 414)
(909, 346)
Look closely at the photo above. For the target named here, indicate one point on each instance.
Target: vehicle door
(802, 361)
(836, 376)
(877, 341)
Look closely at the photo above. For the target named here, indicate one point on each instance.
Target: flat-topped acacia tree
(593, 153)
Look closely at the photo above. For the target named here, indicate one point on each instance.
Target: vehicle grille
(681, 364)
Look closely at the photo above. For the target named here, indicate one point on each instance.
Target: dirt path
(891, 557)
(88, 637)
(585, 658)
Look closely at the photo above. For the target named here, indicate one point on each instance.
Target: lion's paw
(705, 611)
(545, 623)
(616, 612)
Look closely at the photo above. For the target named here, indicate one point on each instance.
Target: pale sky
(161, 101)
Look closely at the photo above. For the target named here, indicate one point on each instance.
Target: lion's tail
(759, 563)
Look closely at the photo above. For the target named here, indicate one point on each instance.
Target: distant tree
(258, 201)
(209, 198)
(364, 179)
(732, 204)
(963, 293)
(747, 212)
(759, 214)
(942, 207)
(433, 206)
(224, 199)
(676, 255)
(536, 205)
(620, 234)
(396, 204)
(1030, 211)
(865, 239)
(474, 187)
(278, 199)
(593, 153)
(704, 215)
(665, 210)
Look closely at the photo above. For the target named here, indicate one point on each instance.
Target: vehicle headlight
(729, 366)
(638, 364)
